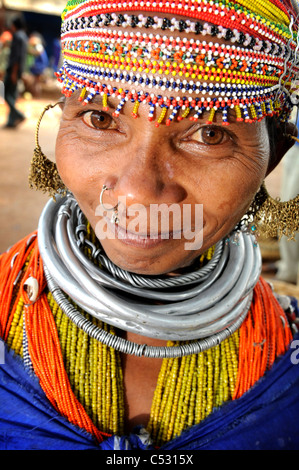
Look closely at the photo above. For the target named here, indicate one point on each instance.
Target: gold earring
(43, 174)
(274, 218)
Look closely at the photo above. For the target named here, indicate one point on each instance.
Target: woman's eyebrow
(112, 103)
(97, 100)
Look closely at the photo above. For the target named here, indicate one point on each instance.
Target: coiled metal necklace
(209, 306)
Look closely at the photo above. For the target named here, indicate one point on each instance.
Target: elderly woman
(136, 317)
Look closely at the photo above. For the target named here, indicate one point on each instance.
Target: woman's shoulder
(288, 301)
(13, 267)
(15, 257)
(19, 246)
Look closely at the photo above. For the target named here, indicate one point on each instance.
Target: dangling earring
(276, 218)
(43, 174)
(271, 217)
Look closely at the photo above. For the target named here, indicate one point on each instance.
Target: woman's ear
(281, 141)
(61, 102)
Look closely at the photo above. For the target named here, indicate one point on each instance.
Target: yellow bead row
(267, 10)
(94, 372)
(189, 388)
(15, 336)
(197, 72)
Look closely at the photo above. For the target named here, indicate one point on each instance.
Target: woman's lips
(142, 240)
(151, 237)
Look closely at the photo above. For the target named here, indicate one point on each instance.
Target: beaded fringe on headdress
(252, 71)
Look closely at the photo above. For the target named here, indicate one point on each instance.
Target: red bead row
(231, 18)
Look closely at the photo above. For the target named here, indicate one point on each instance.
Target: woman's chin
(153, 256)
(149, 262)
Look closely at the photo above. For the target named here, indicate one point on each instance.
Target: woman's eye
(98, 120)
(210, 135)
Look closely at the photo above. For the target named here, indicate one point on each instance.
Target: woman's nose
(147, 176)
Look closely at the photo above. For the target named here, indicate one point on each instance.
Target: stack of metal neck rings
(199, 309)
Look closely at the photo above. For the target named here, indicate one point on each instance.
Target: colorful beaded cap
(184, 57)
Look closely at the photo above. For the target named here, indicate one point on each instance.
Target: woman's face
(188, 164)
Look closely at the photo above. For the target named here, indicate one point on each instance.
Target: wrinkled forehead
(181, 58)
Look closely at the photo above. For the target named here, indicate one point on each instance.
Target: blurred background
(20, 207)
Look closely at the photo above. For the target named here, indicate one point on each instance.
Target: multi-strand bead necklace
(188, 389)
(83, 378)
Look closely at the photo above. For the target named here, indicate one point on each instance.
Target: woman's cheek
(230, 193)
(71, 161)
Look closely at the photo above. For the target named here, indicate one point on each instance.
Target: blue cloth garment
(40, 64)
(27, 419)
(266, 417)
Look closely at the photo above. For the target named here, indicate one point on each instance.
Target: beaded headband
(253, 69)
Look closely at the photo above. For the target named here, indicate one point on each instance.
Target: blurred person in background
(39, 61)
(288, 265)
(5, 44)
(14, 71)
(56, 59)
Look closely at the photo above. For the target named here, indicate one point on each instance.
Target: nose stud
(114, 218)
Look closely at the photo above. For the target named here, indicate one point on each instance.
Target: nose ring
(114, 217)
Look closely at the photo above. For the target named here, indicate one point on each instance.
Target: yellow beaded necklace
(83, 379)
(94, 371)
(187, 390)
(190, 387)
